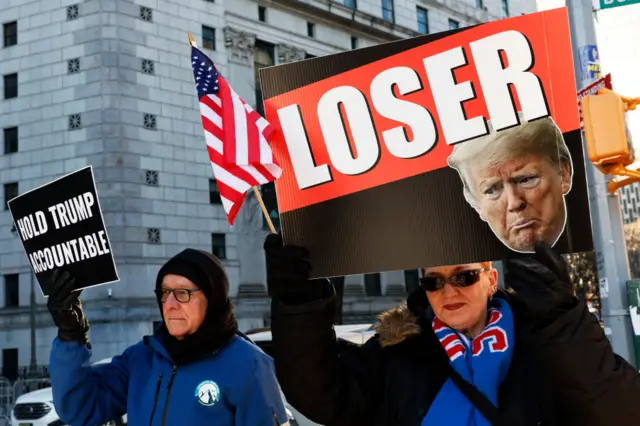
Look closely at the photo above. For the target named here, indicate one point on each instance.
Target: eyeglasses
(182, 295)
(459, 279)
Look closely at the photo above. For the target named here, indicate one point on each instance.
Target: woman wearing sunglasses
(195, 369)
(460, 352)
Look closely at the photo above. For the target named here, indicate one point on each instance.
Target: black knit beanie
(204, 270)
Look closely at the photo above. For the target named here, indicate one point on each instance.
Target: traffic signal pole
(606, 218)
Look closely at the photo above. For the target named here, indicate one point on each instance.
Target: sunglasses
(182, 295)
(459, 279)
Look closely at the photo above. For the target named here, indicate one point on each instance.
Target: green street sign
(633, 292)
(608, 4)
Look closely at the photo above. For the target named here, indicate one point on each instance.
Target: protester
(460, 352)
(195, 370)
(516, 180)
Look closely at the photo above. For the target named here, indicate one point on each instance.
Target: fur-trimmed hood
(396, 325)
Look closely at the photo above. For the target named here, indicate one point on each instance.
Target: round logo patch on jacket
(208, 393)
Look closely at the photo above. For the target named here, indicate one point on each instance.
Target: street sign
(633, 293)
(608, 4)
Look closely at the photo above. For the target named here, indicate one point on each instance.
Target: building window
(351, 3)
(10, 364)
(73, 65)
(11, 290)
(372, 285)
(453, 24)
(146, 14)
(268, 192)
(151, 177)
(411, 280)
(75, 121)
(149, 121)
(208, 37)
(505, 8)
(214, 193)
(263, 56)
(423, 20)
(354, 43)
(10, 86)
(11, 140)
(153, 235)
(10, 32)
(387, 10)
(72, 12)
(10, 191)
(219, 245)
(311, 29)
(148, 67)
(480, 4)
(262, 13)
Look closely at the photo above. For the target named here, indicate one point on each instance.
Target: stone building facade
(108, 83)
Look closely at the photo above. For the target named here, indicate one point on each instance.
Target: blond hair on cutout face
(540, 137)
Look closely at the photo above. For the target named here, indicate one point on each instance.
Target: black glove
(288, 271)
(66, 308)
(541, 284)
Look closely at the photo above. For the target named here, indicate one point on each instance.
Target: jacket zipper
(155, 400)
(166, 404)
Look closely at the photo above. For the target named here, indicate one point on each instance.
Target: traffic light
(609, 144)
(605, 130)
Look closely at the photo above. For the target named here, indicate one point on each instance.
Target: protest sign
(60, 225)
(365, 137)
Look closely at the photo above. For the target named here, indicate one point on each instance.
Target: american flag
(237, 136)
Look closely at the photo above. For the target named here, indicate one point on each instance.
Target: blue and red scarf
(483, 362)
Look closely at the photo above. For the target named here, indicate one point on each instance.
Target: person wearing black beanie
(194, 368)
(206, 322)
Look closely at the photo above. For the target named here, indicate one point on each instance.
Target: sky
(617, 32)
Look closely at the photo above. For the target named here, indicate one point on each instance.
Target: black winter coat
(565, 374)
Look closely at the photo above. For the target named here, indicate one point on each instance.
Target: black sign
(444, 149)
(60, 225)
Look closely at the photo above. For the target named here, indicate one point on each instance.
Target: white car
(36, 408)
(358, 333)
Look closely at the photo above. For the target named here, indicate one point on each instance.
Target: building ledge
(329, 10)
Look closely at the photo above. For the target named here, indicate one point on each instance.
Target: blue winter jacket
(235, 386)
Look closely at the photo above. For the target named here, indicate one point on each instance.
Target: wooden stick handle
(264, 209)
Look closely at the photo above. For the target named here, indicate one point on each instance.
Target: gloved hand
(66, 308)
(288, 271)
(542, 285)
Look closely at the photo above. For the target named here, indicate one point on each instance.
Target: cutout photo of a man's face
(516, 180)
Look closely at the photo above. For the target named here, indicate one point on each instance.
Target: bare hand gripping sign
(444, 149)
(61, 226)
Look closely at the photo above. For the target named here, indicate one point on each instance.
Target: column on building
(239, 45)
(240, 74)
(288, 53)
(354, 286)
(393, 284)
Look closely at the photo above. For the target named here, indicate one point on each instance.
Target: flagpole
(192, 42)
